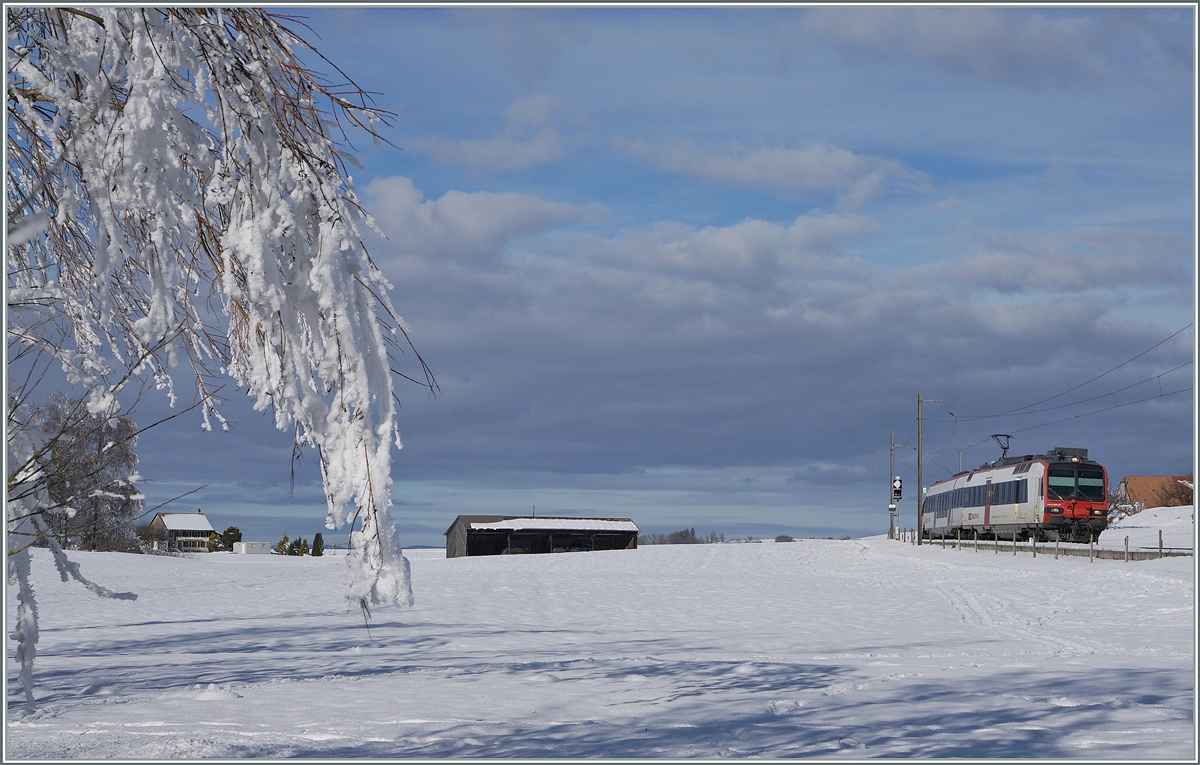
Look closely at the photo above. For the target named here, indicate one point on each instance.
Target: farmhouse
(507, 534)
(1156, 490)
(182, 532)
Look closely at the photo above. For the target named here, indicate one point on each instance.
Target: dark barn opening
(472, 535)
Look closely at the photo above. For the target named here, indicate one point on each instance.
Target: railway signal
(893, 530)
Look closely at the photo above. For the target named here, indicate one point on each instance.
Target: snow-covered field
(847, 649)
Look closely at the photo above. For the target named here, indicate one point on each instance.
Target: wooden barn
(508, 534)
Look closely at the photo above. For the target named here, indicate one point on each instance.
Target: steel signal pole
(920, 483)
(920, 504)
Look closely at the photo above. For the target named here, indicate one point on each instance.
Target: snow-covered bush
(177, 197)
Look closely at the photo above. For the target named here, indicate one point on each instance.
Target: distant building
(182, 532)
(252, 548)
(1156, 490)
(507, 534)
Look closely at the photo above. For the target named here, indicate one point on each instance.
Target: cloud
(460, 226)
(529, 41)
(529, 139)
(820, 167)
(541, 110)
(1122, 259)
(759, 343)
(502, 152)
(752, 254)
(1016, 46)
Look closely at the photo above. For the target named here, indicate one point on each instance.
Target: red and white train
(1059, 495)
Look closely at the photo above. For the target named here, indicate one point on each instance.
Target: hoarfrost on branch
(177, 194)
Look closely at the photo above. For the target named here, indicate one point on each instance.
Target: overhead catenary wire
(1022, 409)
(1027, 411)
(1064, 419)
(963, 418)
(1088, 414)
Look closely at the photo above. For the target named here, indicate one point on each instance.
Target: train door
(987, 504)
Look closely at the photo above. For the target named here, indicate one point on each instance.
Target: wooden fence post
(1056, 548)
(1126, 549)
(1160, 543)
(1014, 543)
(1091, 548)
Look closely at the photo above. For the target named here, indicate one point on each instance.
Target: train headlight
(1056, 511)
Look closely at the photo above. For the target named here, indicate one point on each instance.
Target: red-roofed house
(1156, 490)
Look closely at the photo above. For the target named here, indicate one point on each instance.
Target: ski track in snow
(858, 648)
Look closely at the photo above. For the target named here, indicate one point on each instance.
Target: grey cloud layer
(758, 343)
(1129, 258)
(1016, 46)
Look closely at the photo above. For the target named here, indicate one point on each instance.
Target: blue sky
(692, 266)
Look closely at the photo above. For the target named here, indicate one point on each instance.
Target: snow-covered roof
(555, 524)
(185, 522)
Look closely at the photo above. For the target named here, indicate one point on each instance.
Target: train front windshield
(1075, 482)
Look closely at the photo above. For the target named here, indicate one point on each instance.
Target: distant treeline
(682, 537)
(688, 537)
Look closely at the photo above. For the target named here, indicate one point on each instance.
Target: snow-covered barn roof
(185, 522)
(556, 524)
